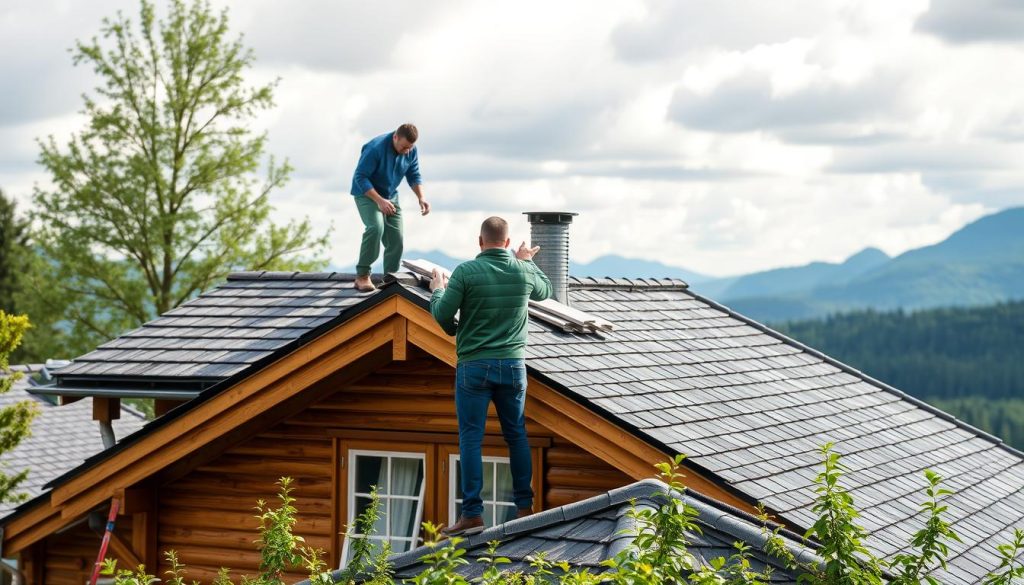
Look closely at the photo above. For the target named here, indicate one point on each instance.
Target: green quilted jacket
(491, 293)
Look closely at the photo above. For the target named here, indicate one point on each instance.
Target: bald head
(494, 233)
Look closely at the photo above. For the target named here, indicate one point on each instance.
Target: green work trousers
(379, 229)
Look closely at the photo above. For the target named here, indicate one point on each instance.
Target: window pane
(488, 492)
(403, 518)
(488, 514)
(380, 526)
(371, 471)
(506, 513)
(458, 479)
(458, 510)
(504, 485)
(398, 546)
(406, 476)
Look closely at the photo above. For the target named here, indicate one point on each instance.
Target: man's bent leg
(393, 240)
(510, 403)
(472, 397)
(373, 229)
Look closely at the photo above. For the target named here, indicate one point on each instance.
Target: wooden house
(297, 374)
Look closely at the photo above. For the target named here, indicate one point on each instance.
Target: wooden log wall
(208, 514)
(68, 557)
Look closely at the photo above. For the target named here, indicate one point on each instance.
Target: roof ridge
(623, 283)
(289, 275)
(855, 372)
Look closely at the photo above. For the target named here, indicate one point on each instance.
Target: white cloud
(724, 137)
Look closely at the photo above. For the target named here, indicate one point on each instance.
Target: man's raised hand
(524, 253)
(439, 280)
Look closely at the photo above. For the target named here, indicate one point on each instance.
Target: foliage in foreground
(663, 525)
(15, 418)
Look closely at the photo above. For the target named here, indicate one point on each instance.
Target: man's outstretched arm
(446, 299)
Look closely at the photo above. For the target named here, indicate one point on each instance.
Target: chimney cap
(557, 217)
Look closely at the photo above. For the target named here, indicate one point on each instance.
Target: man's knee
(374, 230)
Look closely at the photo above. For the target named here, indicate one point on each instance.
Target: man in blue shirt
(383, 163)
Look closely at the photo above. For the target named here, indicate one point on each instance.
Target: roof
(218, 334)
(585, 533)
(62, 436)
(680, 371)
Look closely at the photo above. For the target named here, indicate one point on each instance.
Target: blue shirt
(381, 168)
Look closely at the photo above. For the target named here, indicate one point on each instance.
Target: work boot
(464, 527)
(523, 512)
(364, 284)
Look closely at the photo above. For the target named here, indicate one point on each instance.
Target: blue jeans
(477, 383)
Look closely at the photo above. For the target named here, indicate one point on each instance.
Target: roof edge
(854, 371)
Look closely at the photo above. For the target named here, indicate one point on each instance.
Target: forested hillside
(967, 361)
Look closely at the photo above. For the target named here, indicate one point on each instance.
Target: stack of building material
(549, 311)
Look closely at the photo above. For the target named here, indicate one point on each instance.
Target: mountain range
(980, 264)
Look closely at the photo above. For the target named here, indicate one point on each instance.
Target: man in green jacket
(491, 294)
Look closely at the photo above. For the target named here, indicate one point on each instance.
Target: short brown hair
(494, 230)
(408, 131)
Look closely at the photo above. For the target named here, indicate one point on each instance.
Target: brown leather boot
(464, 527)
(523, 512)
(364, 284)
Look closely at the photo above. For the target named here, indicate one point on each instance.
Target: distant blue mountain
(981, 264)
(795, 279)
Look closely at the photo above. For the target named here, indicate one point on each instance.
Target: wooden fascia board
(569, 419)
(24, 531)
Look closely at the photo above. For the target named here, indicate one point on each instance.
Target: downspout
(107, 434)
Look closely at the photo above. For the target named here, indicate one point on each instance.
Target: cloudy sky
(724, 136)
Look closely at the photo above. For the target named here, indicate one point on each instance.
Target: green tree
(16, 418)
(13, 242)
(166, 190)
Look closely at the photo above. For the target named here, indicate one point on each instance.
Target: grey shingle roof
(223, 331)
(744, 402)
(586, 533)
(62, 437)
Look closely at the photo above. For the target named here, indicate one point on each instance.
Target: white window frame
(453, 463)
(352, 454)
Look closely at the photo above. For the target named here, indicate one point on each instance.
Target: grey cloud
(39, 79)
(347, 35)
(746, 103)
(912, 156)
(968, 21)
(672, 27)
(995, 190)
(447, 168)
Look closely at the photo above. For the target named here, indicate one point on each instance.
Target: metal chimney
(550, 231)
